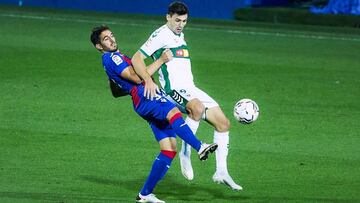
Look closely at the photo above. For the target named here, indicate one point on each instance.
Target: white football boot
(150, 198)
(185, 161)
(225, 178)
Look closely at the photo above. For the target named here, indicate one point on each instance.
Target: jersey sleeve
(117, 63)
(154, 43)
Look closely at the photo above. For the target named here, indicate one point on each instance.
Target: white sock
(222, 139)
(193, 125)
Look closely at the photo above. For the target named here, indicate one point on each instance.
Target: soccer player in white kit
(176, 79)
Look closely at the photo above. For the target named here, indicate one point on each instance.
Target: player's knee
(172, 112)
(197, 109)
(198, 112)
(223, 125)
(168, 144)
(173, 147)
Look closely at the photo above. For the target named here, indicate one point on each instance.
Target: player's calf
(217, 118)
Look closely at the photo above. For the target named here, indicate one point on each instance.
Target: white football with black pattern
(246, 111)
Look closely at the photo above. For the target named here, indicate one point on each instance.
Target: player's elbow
(133, 59)
(136, 58)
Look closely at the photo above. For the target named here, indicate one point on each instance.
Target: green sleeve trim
(143, 52)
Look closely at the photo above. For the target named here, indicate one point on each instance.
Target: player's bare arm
(165, 57)
(150, 88)
(130, 74)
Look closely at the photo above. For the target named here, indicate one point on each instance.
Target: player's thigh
(157, 111)
(204, 98)
(179, 99)
(163, 131)
(191, 98)
(216, 117)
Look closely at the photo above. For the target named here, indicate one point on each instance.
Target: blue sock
(184, 132)
(159, 168)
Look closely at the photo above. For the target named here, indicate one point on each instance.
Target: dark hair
(178, 8)
(96, 32)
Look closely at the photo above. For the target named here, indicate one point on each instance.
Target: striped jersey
(114, 64)
(177, 72)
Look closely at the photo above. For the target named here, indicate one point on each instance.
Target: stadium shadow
(186, 191)
(171, 188)
(179, 190)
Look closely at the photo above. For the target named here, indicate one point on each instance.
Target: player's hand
(150, 89)
(166, 56)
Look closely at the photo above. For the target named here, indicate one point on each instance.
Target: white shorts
(181, 96)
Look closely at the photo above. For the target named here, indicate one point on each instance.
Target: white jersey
(177, 72)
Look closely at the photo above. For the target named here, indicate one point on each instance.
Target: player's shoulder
(160, 32)
(112, 58)
(109, 55)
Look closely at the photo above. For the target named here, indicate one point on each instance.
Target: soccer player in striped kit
(163, 116)
(176, 79)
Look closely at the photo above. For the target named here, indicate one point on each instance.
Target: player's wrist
(148, 80)
(162, 60)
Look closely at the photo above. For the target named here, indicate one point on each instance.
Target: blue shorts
(155, 112)
(162, 130)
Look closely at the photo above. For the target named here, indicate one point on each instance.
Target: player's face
(107, 41)
(176, 22)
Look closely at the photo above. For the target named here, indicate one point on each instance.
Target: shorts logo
(183, 92)
(117, 59)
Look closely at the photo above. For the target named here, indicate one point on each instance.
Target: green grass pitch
(65, 139)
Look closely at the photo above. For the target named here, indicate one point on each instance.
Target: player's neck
(110, 51)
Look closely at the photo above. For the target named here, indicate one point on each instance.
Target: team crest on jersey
(117, 59)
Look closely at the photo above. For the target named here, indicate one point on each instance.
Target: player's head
(103, 39)
(177, 17)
